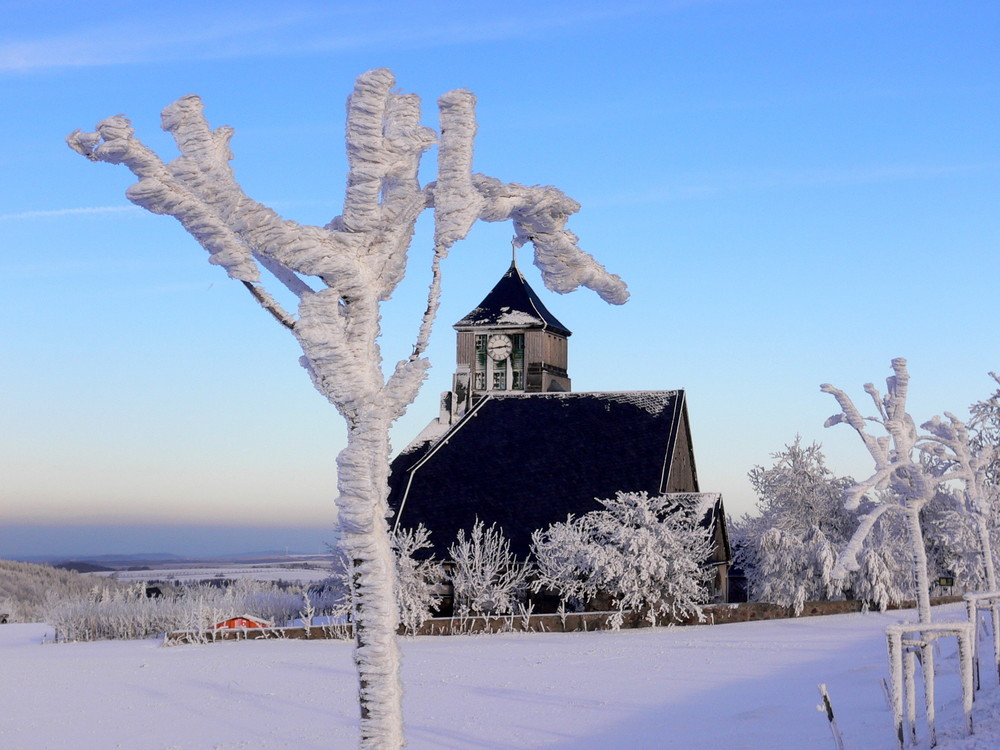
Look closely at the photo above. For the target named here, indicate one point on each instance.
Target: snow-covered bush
(649, 554)
(486, 577)
(127, 613)
(418, 582)
(114, 614)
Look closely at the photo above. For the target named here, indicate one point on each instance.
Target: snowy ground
(747, 685)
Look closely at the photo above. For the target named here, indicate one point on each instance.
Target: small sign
(946, 581)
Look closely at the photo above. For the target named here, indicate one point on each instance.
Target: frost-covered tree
(799, 493)
(911, 469)
(883, 576)
(790, 569)
(788, 549)
(487, 578)
(649, 554)
(355, 263)
(984, 431)
(952, 458)
(952, 541)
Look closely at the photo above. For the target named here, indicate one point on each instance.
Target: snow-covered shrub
(486, 577)
(127, 613)
(418, 582)
(118, 614)
(648, 554)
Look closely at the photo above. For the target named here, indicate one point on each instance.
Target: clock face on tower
(499, 347)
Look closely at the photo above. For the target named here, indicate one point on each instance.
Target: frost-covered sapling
(906, 480)
(649, 554)
(487, 578)
(355, 263)
(903, 481)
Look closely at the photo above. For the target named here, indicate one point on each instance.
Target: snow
(739, 686)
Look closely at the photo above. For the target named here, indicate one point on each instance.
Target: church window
(479, 374)
(517, 362)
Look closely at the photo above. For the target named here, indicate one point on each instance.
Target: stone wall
(576, 622)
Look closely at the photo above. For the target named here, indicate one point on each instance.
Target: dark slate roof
(526, 461)
(512, 302)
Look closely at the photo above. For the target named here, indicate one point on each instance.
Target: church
(516, 446)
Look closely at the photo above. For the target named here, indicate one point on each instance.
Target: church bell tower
(510, 343)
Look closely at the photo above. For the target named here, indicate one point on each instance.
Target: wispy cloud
(57, 212)
(213, 32)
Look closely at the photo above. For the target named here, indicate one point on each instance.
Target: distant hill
(83, 567)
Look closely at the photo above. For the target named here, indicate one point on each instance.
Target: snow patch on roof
(701, 503)
(517, 317)
(652, 402)
(433, 432)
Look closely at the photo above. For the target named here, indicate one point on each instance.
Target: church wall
(682, 474)
(534, 346)
(466, 348)
(546, 348)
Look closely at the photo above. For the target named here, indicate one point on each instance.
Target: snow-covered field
(747, 685)
(290, 572)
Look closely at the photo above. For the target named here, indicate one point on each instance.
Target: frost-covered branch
(847, 560)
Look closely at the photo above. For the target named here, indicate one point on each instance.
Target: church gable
(526, 461)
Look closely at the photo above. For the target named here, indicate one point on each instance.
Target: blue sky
(795, 192)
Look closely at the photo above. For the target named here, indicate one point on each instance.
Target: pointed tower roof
(512, 303)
